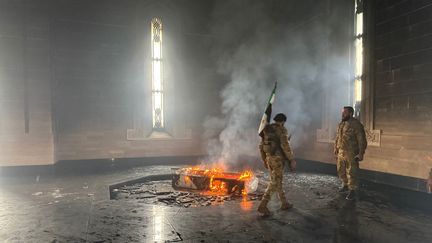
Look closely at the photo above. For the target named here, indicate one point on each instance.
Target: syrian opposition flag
(267, 113)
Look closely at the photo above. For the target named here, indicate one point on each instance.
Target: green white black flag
(267, 113)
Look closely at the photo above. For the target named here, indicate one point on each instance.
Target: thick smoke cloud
(256, 45)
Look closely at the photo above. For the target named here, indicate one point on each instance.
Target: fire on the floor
(214, 181)
(195, 187)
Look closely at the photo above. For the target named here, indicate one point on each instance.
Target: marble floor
(76, 207)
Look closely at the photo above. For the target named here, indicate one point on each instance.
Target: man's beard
(345, 118)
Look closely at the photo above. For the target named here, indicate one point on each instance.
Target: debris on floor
(162, 193)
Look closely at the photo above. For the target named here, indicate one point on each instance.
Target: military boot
(351, 195)
(343, 189)
(286, 205)
(262, 208)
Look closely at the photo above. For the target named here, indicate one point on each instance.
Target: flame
(218, 186)
(187, 179)
(246, 205)
(246, 175)
(217, 173)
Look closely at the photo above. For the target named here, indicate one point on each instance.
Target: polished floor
(77, 208)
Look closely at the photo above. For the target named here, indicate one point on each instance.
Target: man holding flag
(275, 150)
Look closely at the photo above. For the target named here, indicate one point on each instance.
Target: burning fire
(218, 179)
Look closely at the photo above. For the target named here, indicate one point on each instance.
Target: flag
(267, 113)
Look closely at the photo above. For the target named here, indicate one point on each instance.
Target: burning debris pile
(214, 181)
(195, 187)
(162, 193)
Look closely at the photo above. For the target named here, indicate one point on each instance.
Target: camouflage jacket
(277, 135)
(350, 138)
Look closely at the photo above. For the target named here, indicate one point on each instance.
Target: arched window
(358, 56)
(157, 74)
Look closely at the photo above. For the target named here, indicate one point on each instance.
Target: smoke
(258, 43)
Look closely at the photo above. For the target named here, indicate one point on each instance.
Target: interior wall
(402, 88)
(319, 142)
(76, 84)
(398, 117)
(75, 79)
(103, 80)
(26, 136)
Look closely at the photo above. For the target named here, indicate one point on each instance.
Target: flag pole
(267, 112)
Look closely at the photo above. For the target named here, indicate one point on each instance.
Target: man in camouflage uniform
(275, 150)
(350, 146)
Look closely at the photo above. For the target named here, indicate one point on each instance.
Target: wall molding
(373, 137)
(139, 134)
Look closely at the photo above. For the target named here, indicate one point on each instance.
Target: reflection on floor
(77, 208)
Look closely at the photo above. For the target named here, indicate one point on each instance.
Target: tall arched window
(358, 58)
(157, 74)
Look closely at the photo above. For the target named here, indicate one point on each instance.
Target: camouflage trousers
(347, 169)
(276, 168)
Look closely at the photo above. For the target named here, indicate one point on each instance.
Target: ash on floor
(162, 193)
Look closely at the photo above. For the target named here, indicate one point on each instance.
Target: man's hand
(293, 165)
(265, 164)
(359, 157)
(429, 185)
